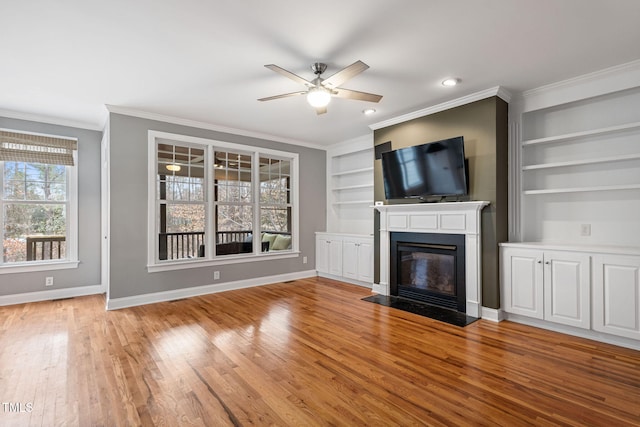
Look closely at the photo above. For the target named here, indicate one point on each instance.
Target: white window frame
(71, 238)
(210, 145)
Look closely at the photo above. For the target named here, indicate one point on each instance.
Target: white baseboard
(346, 280)
(570, 330)
(118, 303)
(495, 315)
(51, 294)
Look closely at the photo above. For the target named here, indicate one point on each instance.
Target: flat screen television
(426, 171)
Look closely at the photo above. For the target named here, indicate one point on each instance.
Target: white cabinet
(344, 256)
(522, 282)
(329, 254)
(616, 295)
(358, 259)
(549, 285)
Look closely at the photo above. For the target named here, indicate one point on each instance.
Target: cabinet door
(616, 295)
(567, 281)
(522, 276)
(335, 257)
(350, 259)
(365, 261)
(322, 254)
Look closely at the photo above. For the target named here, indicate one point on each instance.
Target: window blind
(24, 147)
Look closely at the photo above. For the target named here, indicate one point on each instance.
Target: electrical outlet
(216, 275)
(304, 259)
(48, 281)
(585, 229)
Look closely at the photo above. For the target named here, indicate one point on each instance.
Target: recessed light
(369, 111)
(451, 82)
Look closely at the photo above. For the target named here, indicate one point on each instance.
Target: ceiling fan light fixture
(318, 97)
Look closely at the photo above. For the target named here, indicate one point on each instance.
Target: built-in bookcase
(580, 170)
(350, 187)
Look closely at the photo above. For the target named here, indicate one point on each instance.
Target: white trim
(32, 117)
(52, 294)
(612, 79)
(209, 126)
(117, 303)
(491, 314)
(32, 266)
(570, 330)
(209, 145)
(220, 260)
(345, 279)
(488, 93)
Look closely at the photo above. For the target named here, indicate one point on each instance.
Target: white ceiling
(203, 60)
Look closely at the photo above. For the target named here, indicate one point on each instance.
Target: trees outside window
(35, 197)
(211, 198)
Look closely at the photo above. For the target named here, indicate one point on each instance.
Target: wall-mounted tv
(426, 171)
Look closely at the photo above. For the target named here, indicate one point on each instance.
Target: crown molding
(612, 79)
(41, 118)
(208, 126)
(477, 96)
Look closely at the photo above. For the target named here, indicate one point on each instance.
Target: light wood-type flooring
(301, 353)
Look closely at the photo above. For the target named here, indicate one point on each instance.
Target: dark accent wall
(128, 138)
(484, 126)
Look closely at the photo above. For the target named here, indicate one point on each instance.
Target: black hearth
(429, 267)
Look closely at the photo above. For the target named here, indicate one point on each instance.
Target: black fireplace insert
(429, 267)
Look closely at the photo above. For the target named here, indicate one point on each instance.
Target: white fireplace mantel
(449, 218)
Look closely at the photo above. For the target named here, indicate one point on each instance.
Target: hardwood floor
(301, 353)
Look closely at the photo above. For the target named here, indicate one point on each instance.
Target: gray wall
(128, 211)
(484, 127)
(88, 271)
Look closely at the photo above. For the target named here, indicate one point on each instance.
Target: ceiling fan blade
(284, 95)
(296, 78)
(345, 74)
(354, 94)
(321, 110)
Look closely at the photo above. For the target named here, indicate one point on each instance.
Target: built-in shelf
(350, 187)
(582, 162)
(583, 189)
(354, 202)
(353, 187)
(582, 134)
(353, 171)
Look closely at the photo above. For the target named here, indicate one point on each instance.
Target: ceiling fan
(319, 91)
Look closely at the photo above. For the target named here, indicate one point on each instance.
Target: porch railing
(45, 247)
(191, 244)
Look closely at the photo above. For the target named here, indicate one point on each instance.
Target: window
(37, 199)
(208, 199)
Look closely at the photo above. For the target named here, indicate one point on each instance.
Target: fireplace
(457, 218)
(429, 267)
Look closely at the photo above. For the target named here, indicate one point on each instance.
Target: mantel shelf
(576, 135)
(582, 162)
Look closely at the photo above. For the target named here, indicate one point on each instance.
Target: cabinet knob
(547, 263)
(539, 262)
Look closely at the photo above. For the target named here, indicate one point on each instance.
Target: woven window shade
(22, 147)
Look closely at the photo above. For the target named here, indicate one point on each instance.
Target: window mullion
(210, 210)
(255, 177)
